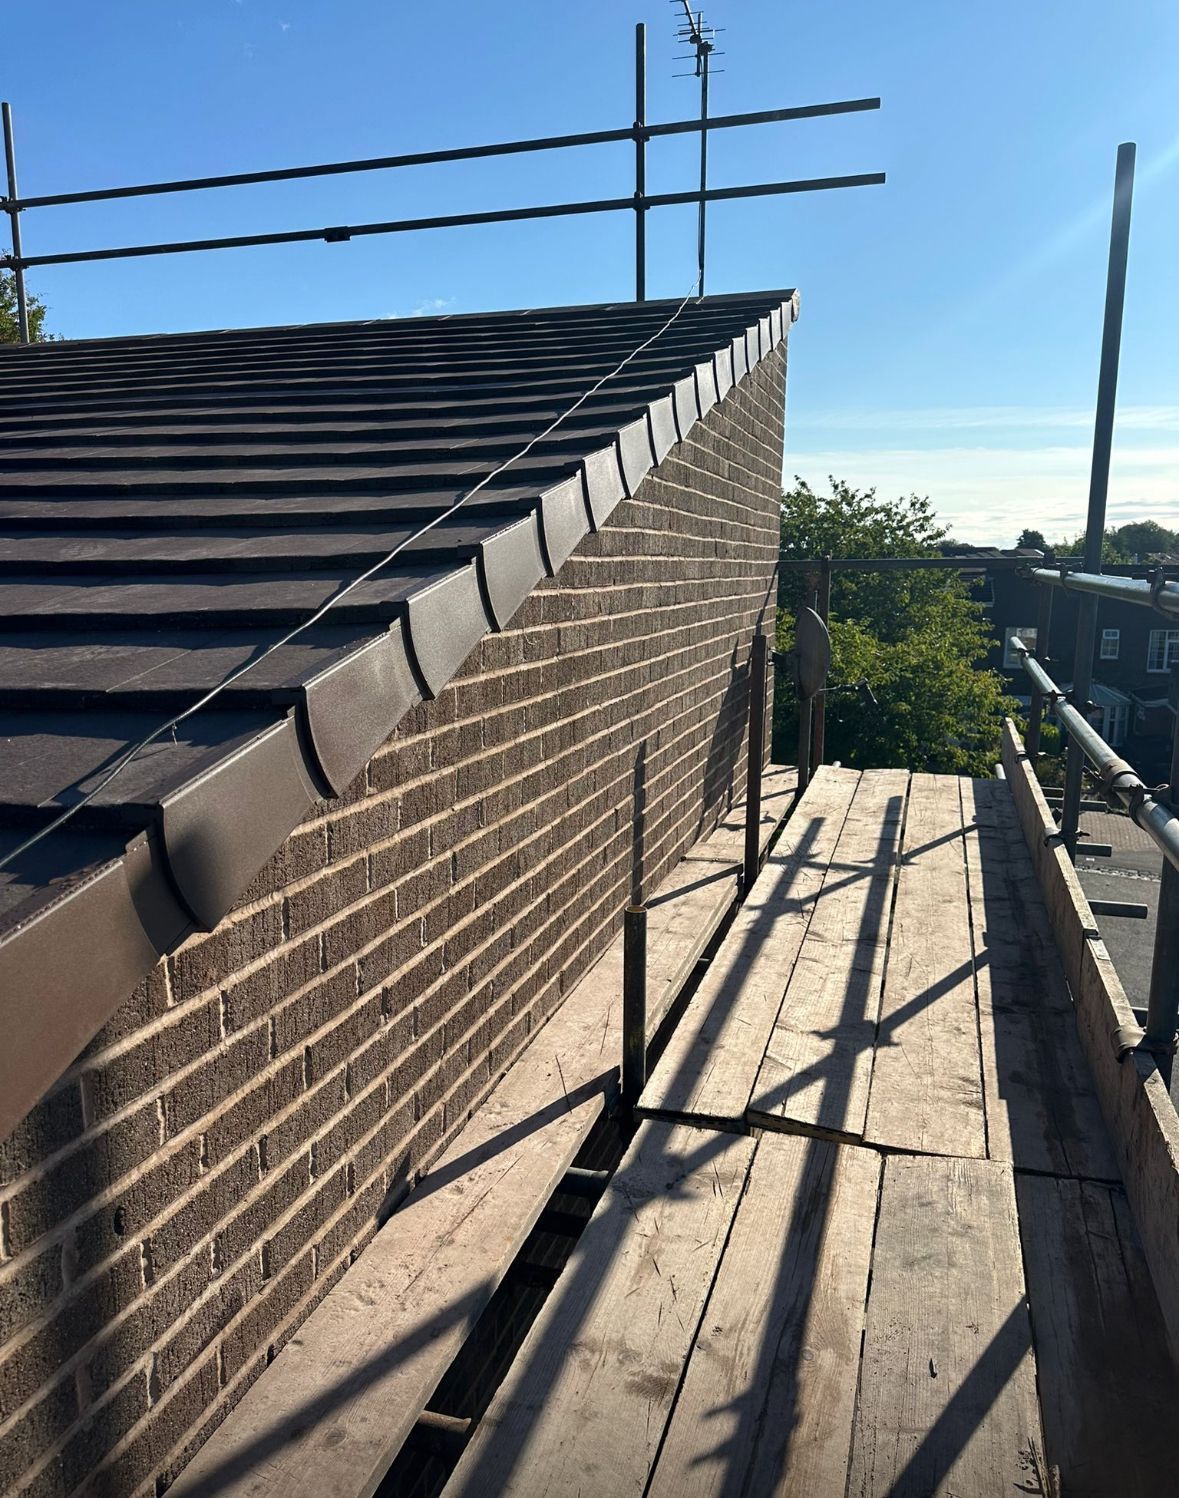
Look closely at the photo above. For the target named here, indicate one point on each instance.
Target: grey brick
(90, 1168)
(115, 1081)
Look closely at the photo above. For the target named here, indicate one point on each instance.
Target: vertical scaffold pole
(703, 216)
(1041, 652)
(824, 611)
(634, 1005)
(1162, 1013)
(757, 747)
(18, 275)
(640, 162)
(1107, 389)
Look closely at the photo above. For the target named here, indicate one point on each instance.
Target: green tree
(1136, 541)
(10, 323)
(1031, 538)
(1111, 550)
(1050, 765)
(1146, 539)
(916, 636)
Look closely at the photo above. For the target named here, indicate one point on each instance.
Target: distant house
(1132, 662)
(268, 970)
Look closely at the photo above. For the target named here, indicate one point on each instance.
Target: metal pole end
(1128, 1039)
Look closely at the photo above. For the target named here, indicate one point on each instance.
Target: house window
(1026, 633)
(1111, 640)
(1114, 722)
(1163, 651)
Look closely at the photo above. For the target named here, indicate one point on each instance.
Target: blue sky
(951, 319)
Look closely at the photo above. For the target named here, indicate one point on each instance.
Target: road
(1131, 873)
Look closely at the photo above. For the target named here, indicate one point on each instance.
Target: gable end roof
(172, 505)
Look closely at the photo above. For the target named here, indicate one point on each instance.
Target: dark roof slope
(171, 505)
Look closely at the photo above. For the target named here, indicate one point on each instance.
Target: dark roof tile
(170, 505)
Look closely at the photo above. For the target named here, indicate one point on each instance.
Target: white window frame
(1024, 632)
(1162, 646)
(1111, 644)
(1115, 721)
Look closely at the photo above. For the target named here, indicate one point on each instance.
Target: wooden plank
(927, 1079)
(1042, 1113)
(682, 918)
(584, 1405)
(1142, 1122)
(1060, 889)
(769, 1395)
(817, 1068)
(681, 921)
(710, 1064)
(1108, 1387)
(345, 1393)
(947, 1401)
(691, 904)
(693, 901)
(779, 785)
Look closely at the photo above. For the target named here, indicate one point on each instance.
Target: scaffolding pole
(1107, 389)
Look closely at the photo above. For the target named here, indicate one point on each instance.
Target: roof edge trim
(73, 962)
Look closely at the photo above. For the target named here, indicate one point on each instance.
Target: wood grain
(1060, 888)
(1108, 1387)
(769, 1394)
(947, 1402)
(691, 903)
(1042, 1113)
(584, 1405)
(708, 1069)
(346, 1391)
(682, 918)
(779, 784)
(927, 1080)
(1141, 1119)
(817, 1067)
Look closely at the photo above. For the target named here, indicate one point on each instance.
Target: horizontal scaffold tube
(1161, 596)
(459, 153)
(1120, 782)
(341, 233)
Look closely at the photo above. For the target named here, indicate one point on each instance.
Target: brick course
(218, 1155)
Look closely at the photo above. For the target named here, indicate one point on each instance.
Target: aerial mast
(702, 39)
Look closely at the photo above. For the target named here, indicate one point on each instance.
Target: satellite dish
(812, 644)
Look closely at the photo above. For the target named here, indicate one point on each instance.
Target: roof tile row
(170, 505)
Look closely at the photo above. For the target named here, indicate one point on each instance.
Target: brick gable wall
(223, 1149)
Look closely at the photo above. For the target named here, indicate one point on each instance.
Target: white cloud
(988, 494)
(430, 307)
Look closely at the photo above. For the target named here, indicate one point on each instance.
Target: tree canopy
(1136, 541)
(917, 637)
(9, 321)
(1145, 538)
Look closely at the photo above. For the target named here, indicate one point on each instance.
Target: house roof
(1102, 695)
(170, 506)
